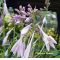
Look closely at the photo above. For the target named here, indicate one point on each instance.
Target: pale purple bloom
(23, 17)
(28, 19)
(6, 37)
(25, 29)
(17, 19)
(18, 48)
(28, 49)
(30, 10)
(23, 12)
(48, 40)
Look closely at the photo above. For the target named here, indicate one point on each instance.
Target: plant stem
(40, 50)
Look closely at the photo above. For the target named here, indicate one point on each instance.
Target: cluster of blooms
(19, 47)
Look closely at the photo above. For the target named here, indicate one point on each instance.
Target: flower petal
(27, 51)
(28, 19)
(47, 47)
(44, 20)
(21, 49)
(15, 46)
(52, 45)
(52, 40)
(25, 29)
(4, 41)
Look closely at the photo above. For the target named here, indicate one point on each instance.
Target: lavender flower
(5, 38)
(48, 40)
(23, 13)
(28, 19)
(17, 19)
(18, 48)
(27, 50)
(30, 10)
(25, 29)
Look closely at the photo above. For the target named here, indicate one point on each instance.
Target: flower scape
(28, 34)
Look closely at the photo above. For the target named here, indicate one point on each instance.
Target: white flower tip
(52, 39)
(9, 32)
(28, 19)
(4, 41)
(25, 29)
(44, 20)
(47, 47)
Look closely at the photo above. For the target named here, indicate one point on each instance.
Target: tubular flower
(6, 37)
(28, 19)
(18, 48)
(25, 29)
(27, 50)
(48, 40)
